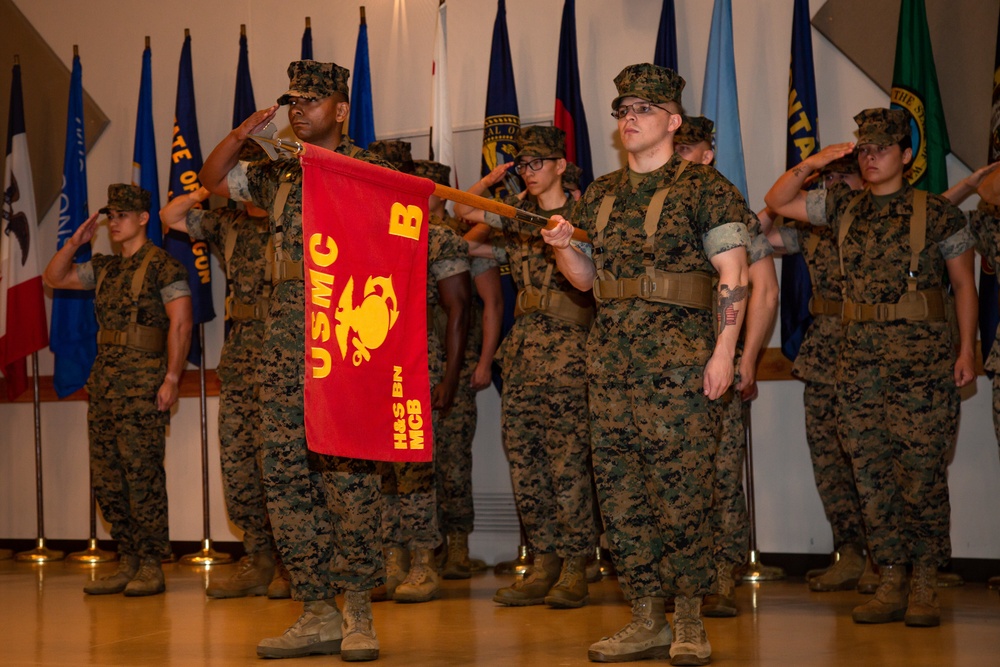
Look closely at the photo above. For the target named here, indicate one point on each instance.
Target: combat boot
(252, 577)
(923, 610)
(360, 642)
(647, 635)
(889, 603)
(422, 583)
(722, 603)
(148, 580)
(690, 645)
(280, 587)
(534, 586)
(570, 592)
(397, 566)
(949, 579)
(128, 565)
(457, 564)
(842, 575)
(318, 631)
(868, 582)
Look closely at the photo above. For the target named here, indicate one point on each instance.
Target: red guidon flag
(367, 391)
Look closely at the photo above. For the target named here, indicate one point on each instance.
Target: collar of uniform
(656, 179)
(899, 206)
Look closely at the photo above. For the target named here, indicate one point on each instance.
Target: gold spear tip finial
(147, 41)
(308, 22)
(17, 59)
(243, 30)
(187, 32)
(363, 22)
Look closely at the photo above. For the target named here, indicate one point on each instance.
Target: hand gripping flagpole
(756, 571)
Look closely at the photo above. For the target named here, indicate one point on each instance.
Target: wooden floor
(45, 619)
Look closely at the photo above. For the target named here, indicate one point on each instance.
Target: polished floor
(45, 619)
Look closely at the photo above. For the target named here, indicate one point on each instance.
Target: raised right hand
(85, 232)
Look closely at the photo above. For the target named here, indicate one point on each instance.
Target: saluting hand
(256, 122)
(825, 156)
(85, 232)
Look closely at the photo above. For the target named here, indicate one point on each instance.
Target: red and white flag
(367, 388)
(23, 329)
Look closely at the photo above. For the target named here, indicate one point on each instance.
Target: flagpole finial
(363, 22)
(147, 41)
(243, 30)
(187, 32)
(76, 50)
(308, 22)
(17, 59)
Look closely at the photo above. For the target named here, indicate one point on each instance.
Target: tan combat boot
(317, 631)
(923, 610)
(889, 603)
(422, 583)
(360, 642)
(570, 591)
(148, 580)
(457, 564)
(397, 566)
(646, 636)
(280, 587)
(722, 603)
(868, 583)
(534, 586)
(128, 565)
(690, 645)
(252, 577)
(842, 575)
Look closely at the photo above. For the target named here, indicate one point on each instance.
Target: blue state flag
(144, 151)
(720, 101)
(243, 100)
(361, 125)
(185, 163)
(569, 115)
(801, 142)
(502, 117)
(307, 41)
(665, 54)
(73, 329)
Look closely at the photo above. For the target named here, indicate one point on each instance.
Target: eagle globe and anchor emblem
(369, 321)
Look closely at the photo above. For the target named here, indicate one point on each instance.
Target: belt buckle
(646, 287)
(881, 312)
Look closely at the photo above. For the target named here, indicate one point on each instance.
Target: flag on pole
(989, 290)
(367, 389)
(801, 142)
(23, 329)
(144, 152)
(243, 101)
(441, 132)
(361, 125)
(569, 114)
(665, 54)
(915, 88)
(502, 117)
(720, 101)
(307, 41)
(185, 163)
(73, 330)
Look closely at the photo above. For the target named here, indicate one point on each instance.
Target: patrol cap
(652, 83)
(540, 141)
(315, 80)
(395, 152)
(571, 177)
(437, 172)
(127, 197)
(847, 164)
(694, 130)
(882, 127)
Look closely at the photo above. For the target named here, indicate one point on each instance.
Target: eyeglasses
(639, 108)
(872, 150)
(534, 164)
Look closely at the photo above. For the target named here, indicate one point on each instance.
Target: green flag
(915, 88)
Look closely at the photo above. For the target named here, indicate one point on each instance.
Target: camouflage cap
(540, 141)
(571, 177)
(694, 130)
(127, 197)
(648, 82)
(315, 80)
(882, 127)
(847, 164)
(395, 152)
(437, 172)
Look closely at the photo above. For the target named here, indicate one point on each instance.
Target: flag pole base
(6, 554)
(207, 556)
(92, 554)
(607, 567)
(40, 554)
(517, 566)
(757, 571)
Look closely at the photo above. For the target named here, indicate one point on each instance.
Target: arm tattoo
(798, 170)
(728, 300)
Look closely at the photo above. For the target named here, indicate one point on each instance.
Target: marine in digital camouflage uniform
(325, 511)
(133, 382)
(656, 368)
(897, 374)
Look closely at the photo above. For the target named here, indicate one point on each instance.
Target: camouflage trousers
(325, 511)
(898, 432)
(409, 507)
(453, 457)
(239, 432)
(654, 441)
(832, 465)
(548, 441)
(730, 522)
(127, 443)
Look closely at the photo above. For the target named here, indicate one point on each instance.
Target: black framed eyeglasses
(639, 108)
(533, 164)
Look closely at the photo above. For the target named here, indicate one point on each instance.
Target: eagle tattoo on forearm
(727, 313)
